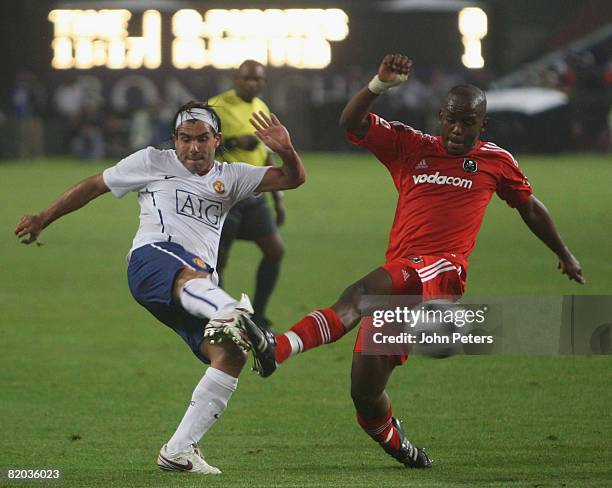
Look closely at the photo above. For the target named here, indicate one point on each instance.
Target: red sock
(382, 431)
(318, 327)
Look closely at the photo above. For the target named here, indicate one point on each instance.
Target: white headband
(197, 114)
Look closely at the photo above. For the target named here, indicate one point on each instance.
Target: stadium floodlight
(473, 27)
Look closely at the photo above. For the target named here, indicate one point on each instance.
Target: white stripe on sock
(323, 326)
(327, 328)
(295, 341)
(389, 436)
(380, 429)
(312, 315)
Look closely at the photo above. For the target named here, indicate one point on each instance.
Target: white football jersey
(178, 206)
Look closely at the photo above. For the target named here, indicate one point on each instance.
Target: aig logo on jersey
(469, 165)
(199, 208)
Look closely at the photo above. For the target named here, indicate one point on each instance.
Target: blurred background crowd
(547, 71)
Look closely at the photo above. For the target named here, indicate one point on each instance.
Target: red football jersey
(442, 197)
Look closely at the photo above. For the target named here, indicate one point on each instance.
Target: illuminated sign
(84, 39)
(299, 38)
(473, 28)
(224, 38)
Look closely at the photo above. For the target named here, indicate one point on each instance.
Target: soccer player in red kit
(444, 185)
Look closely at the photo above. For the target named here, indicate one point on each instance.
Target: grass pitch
(93, 385)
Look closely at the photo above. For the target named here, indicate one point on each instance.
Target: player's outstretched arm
(540, 222)
(275, 135)
(393, 70)
(278, 197)
(30, 226)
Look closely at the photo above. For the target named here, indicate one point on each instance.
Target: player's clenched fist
(394, 70)
(394, 67)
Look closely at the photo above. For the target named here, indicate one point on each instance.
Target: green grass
(93, 385)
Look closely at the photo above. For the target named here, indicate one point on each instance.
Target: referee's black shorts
(248, 220)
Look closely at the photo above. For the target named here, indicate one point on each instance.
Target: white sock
(203, 299)
(208, 402)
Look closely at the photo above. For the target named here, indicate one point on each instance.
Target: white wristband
(378, 87)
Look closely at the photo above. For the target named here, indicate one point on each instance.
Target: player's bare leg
(369, 377)
(349, 306)
(225, 356)
(319, 327)
(369, 374)
(327, 325)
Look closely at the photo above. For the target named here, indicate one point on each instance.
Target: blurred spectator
(28, 105)
(588, 103)
(586, 77)
(549, 78)
(440, 83)
(70, 97)
(409, 98)
(148, 126)
(88, 133)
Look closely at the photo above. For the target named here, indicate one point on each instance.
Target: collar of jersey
(204, 173)
(234, 98)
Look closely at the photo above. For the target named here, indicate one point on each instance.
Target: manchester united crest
(219, 186)
(469, 165)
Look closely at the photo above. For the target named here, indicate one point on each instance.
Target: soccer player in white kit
(184, 196)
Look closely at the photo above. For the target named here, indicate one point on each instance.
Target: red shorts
(426, 277)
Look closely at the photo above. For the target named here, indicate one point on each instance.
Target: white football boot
(190, 461)
(228, 323)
